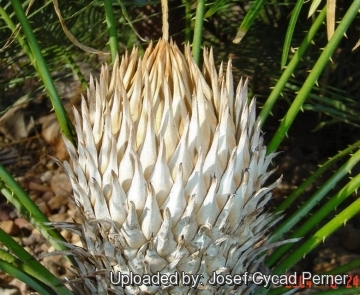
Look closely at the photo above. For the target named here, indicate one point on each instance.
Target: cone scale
(168, 176)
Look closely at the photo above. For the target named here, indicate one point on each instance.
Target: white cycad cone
(168, 174)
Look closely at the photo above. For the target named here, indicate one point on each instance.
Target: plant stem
(41, 66)
(110, 21)
(18, 36)
(313, 76)
(318, 237)
(19, 198)
(297, 192)
(199, 21)
(344, 268)
(187, 5)
(317, 217)
(75, 68)
(30, 265)
(286, 225)
(165, 22)
(275, 93)
(290, 30)
(24, 277)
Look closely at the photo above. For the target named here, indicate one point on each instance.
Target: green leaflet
(248, 20)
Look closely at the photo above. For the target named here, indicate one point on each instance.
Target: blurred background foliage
(258, 56)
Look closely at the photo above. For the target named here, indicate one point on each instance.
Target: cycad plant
(168, 173)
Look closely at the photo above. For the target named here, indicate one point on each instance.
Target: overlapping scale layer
(168, 174)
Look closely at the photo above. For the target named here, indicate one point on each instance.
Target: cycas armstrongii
(168, 175)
